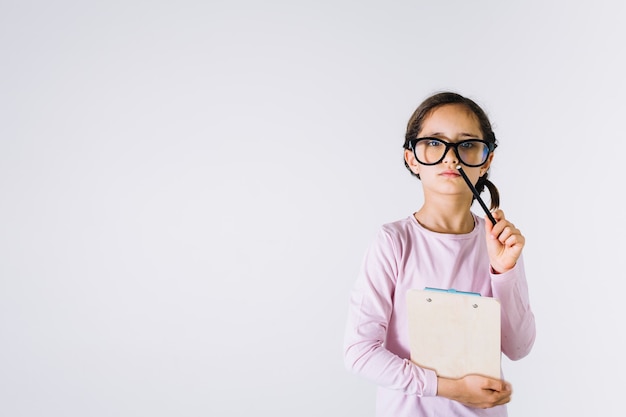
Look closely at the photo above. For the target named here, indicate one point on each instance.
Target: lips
(451, 173)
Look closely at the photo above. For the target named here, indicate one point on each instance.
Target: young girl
(443, 245)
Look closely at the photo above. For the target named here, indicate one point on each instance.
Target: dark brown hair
(416, 121)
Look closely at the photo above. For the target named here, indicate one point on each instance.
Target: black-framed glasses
(471, 152)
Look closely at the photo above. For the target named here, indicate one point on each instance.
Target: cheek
(474, 175)
(427, 172)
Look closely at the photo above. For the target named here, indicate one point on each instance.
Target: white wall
(187, 189)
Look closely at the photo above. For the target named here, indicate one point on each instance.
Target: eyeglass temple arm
(476, 194)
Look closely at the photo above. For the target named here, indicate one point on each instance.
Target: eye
(467, 145)
(433, 142)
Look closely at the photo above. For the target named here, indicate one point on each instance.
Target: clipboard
(454, 333)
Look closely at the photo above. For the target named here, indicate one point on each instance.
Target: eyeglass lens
(432, 151)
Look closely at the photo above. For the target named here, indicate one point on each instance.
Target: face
(450, 123)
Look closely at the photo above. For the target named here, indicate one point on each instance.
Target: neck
(452, 222)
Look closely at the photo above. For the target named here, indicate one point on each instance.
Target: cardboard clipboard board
(454, 333)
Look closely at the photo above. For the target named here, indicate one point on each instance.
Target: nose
(450, 156)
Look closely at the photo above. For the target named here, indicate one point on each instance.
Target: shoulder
(392, 243)
(398, 234)
(400, 227)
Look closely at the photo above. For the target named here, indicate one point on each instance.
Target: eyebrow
(463, 134)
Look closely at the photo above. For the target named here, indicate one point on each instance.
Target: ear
(484, 168)
(409, 157)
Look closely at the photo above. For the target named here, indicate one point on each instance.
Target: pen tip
(458, 167)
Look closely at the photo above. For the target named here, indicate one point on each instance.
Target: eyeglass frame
(491, 146)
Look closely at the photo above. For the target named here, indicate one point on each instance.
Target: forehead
(451, 120)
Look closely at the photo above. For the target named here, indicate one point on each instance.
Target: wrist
(496, 270)
(446, 387)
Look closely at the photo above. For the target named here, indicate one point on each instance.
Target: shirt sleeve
(518, 321)
(370, 309)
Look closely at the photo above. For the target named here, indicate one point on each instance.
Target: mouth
(450, 173)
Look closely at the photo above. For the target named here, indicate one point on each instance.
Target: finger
(498, 398)
(505, 234)
(495, 384)
(503, 400)
(504, 230)
(501, 223)
(514, 240)
(502, 396)
(496, 230)
(498, 214)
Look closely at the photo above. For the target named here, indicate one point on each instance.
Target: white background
(187, 189)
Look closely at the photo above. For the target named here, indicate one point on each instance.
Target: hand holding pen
(504, 241)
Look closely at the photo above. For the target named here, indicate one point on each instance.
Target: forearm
(517, 320)
(365, 355)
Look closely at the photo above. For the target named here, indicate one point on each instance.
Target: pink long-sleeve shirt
(405, 255)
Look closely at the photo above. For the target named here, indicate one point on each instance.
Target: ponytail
(494, 194)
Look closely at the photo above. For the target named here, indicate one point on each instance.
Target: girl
(445, 245)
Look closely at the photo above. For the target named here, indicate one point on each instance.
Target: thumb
(488, 229)
(488, 225)
(497, 215)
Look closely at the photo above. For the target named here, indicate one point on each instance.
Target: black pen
(476, 194)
